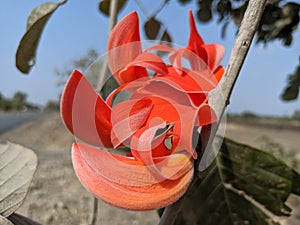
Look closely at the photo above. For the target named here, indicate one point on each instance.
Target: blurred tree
(291, 92)
(17, 103)
(91, 65)
(81, 64)
(296, 115)
(19, 100)
(5, 104)
(52, 106)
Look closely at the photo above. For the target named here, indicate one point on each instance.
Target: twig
(160, 7)
(112, 22)
(112, 14)
(144, 9)
(239, 51)
(93, 217)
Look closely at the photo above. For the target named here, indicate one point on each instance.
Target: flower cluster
(165, 103)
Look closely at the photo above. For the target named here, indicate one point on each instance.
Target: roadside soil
(56, 197)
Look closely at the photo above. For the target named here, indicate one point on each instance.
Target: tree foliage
(243, 185)
(279, 21)
(17, 103)
(81, 63)
(291, 92)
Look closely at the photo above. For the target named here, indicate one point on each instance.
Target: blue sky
(78, 26)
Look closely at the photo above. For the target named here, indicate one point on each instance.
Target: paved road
(11, 120)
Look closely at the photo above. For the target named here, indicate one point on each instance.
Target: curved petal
(141, 145)
(130, 87)
(176, 60)
(197, 62)
(127, 117)
(84, 112)
(219, 72)
(183, 131)
(141, 148)
(124, 45)
(127, 170)
(195, 40)
(159, 147)
(215, 54)
(162, 92)
(206, 116)
(126, 31)
(173, 107)
(130, 73)
(159, 47)
(145, 196)
(191, 81)
(147, 60)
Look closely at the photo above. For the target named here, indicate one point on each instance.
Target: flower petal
(147, 60)
(162, 92)
(183, 131)
(125, 32)
(195, 40)
(127, 117)
(160, 47)
(142, 195)
(84, 112)
(219, 72)
(215, 54)
(191, 81)
(196, 61)
(129, 87)
(128, 74)
(141, 148)
(206, 116)
(124, 46)
(173, 107)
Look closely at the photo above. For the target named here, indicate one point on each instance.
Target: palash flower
(156, 122)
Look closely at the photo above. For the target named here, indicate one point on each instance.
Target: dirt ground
(56, 197)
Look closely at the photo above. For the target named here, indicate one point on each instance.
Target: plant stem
(93, 217)
(112, 14)
(112, 22)
(144, 9)
(239, 52)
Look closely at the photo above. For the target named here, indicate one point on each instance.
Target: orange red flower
(153, 114)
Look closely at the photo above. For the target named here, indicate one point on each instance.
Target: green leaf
(183, 2)
(204, 15)
(25, 56)
(17, 166)
(243, 185)
(290, 93)
(166, 37)
(105, 5)
(152, 27)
